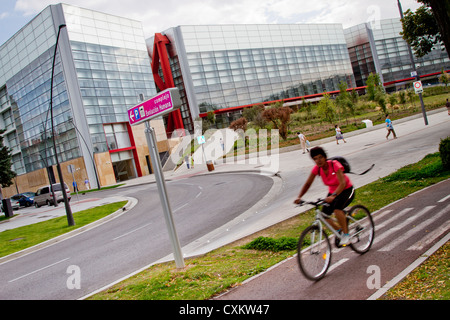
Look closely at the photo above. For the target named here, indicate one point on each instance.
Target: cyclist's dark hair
(316, 151)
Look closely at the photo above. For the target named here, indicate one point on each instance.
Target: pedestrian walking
(86, 183)
(339, 135)
(303, 142)
(186, 160)
(389, 127)
(222, 144)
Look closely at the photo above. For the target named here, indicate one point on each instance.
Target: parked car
(26, 199)
(44, 195)
(14, 203)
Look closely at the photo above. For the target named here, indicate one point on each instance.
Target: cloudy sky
(159, 15)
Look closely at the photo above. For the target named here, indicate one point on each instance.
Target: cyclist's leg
(328, 210)
(340, 203)
(340, 216)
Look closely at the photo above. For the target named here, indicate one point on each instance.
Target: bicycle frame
(320, 220)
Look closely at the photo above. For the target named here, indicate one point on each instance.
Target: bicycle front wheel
(361, 228)
(314, 253)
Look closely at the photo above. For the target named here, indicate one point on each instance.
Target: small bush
(270, 244)
(444, 151)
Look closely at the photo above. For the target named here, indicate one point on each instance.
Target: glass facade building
(379, 48)
(102, 67)
(223, 66)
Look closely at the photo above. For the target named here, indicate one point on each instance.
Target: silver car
(44, 195)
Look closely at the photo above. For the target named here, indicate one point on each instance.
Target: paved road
(134, 240)
(403, 231)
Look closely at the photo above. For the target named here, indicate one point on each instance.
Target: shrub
(444, 151)
(265, 243)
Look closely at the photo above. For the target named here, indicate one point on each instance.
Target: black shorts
(340, 202)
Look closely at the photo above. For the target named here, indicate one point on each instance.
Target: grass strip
(20, 238)
(429, 281)
(228, 266)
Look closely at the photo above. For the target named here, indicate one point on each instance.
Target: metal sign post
(161, 104)
(154, 156)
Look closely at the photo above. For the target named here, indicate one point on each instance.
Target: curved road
(133, 240)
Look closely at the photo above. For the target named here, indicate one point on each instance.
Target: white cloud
(157, 15)
(3, 15)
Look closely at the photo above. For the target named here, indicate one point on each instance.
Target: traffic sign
(201, 139)
(418, 87)
(163, 103)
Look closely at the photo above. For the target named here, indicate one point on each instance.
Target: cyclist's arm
(305, 187)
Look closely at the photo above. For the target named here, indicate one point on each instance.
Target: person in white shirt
(303, 141)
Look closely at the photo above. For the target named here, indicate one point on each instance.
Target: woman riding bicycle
(340, 192)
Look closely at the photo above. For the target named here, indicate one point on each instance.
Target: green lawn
(17, 239)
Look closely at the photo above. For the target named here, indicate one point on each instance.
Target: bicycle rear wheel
(314, 253)
(361, 228)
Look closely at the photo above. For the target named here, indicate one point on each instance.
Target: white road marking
(394, 217)
(429, 238)
(403, 224)
(337, 264)
(414, 230)
(134, 230)
(26, 275)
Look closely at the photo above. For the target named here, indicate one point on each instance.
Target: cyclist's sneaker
(345, 239)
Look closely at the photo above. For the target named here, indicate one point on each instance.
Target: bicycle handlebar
(316, 203)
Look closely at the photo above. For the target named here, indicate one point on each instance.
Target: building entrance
(124, 170)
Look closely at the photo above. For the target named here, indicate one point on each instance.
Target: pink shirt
(331, 180)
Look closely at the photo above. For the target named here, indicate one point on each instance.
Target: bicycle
(314, 248)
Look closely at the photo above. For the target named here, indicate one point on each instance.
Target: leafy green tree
(6, 174)
(444, 78)
(402, 98)
(373, 83)
(326, 108)
(427, 26)
(307, 106)
(251, 113)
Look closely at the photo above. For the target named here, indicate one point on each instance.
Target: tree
(326, 108)
(346, 101)
(392, 98)
(6, 174)
(444, 78)
(307, 106)
(239, 124)
(252, 113)
(427, 26)
(441, 12)
(280, 117)
(374, 85)
(402, 98)
(208, 121)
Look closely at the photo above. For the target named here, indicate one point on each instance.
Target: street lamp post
(69, 215)
(414, 68)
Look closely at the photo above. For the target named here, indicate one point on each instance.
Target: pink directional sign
(164, 102)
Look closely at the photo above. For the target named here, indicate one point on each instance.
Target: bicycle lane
(404, 230)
